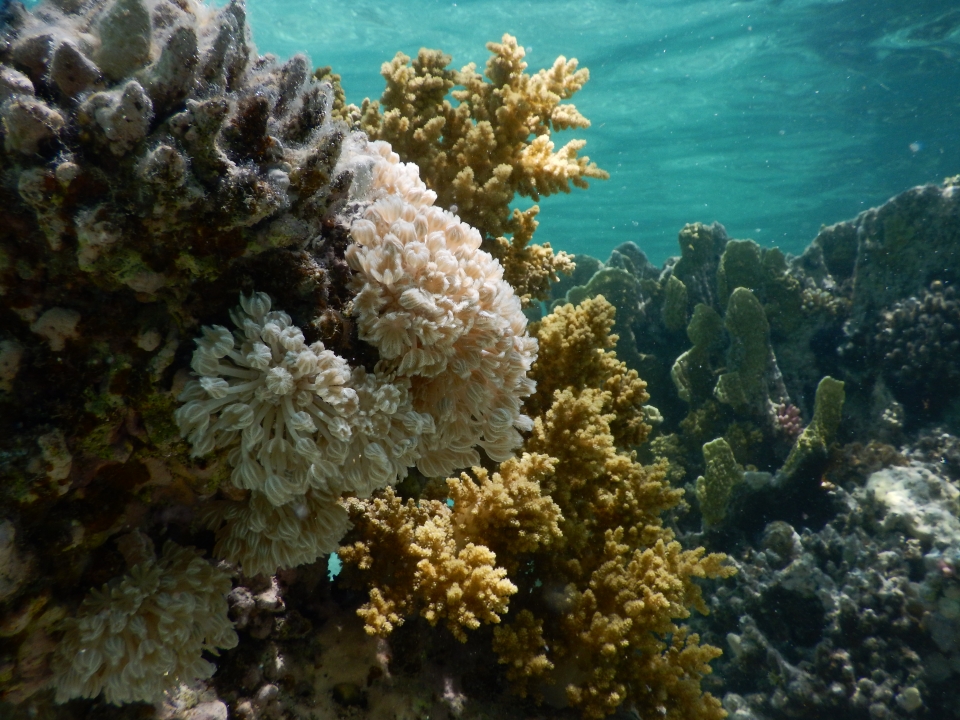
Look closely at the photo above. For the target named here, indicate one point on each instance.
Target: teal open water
(772, 117)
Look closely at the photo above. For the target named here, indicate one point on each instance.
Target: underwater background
(300, 419)
(772, 117)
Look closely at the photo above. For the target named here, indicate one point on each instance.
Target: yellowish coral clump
(438, 310)
(577, 342)
(494, 143)
(616, 584)
(508, 509)
(412, 548)
(602, 587)
(425, 557)
(145, 634)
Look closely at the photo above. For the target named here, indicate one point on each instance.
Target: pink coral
(789, 421)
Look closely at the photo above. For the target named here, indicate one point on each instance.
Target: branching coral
(616, 579)
(145, 633)
(439, 312)
(602, 584)
(427, 558)
(576, 342)
(412, 547)
(493, 144)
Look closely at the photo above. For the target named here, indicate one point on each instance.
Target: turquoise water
(771, 117)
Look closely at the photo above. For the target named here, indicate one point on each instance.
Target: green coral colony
(243, 322)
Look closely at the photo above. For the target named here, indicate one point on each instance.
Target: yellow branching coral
(602, 608)
(508, 510)
(622, 621)
(493, 144)
(146, 632)
(601, 586)
(425, 557)
(411, 548)
(577, 354)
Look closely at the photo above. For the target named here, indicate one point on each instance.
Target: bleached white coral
(439, 311)
(277, 403)
(300, 429)
(262, 537)
(386, 433)
(144, 633)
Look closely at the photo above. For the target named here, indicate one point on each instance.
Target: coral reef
(855, 619)
(494, 143)
(155, 169)
(919, 341)
(789, 371)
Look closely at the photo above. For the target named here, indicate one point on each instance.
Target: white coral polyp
(146, 633)
(262, 537)
(440, 313)
(279, 404)
(386, 433)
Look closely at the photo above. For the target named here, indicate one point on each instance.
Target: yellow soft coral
(411, 550)
(494, 143)
(604, 610)
(601, 586)
(508, 510)
(426, 557)
(576, 353)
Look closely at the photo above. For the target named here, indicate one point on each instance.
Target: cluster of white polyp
(300, 428)
(438, 310)
(279, 404)
(145, 633)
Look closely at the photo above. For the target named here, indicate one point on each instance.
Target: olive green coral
(815, 439)
(721, 475)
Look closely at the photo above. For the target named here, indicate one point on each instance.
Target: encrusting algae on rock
(158, 172)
